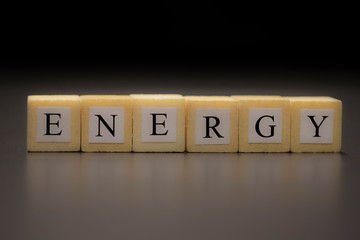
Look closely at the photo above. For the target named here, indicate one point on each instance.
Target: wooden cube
(315, 124)
(211, 124)
(158, 123)
(106, 123)
(264, 123)
(53, 123)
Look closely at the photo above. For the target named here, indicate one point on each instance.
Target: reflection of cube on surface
(53, 123)
(264, 123)
(212, 124)
(315, 124)
(106, 123)
(158, 123)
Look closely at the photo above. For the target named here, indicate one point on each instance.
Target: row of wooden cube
(173, 123)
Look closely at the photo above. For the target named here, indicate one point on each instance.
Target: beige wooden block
(53, 123)
(211, 124)
(315, 124)
(158, 123)
(264, 123)
(106, 123)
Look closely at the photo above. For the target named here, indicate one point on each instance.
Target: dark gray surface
(177, 196)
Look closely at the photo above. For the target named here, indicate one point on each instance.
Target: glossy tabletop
(175, 195)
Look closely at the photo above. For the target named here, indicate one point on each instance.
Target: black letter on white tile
(272, 127)
(101, 119)
(154, 115)
(48, 123)
(317, 127)
(217, 122)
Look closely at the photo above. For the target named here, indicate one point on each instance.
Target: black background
(164, 36)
